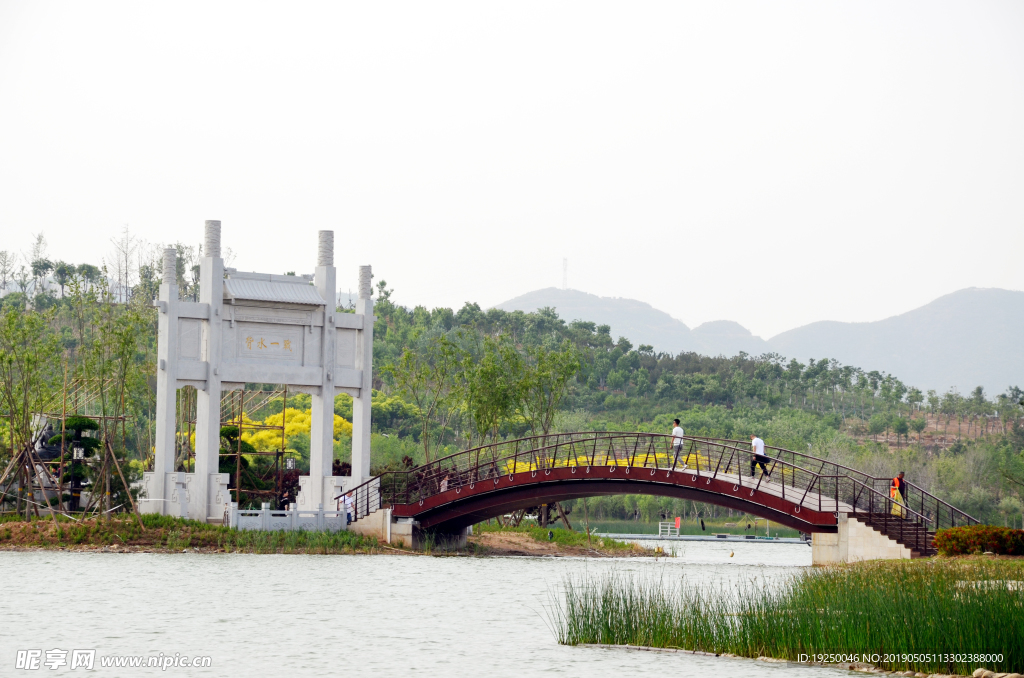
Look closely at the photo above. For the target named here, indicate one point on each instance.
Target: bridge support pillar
(852, 543)
(405, 532)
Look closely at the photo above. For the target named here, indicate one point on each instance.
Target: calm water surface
(284, 615)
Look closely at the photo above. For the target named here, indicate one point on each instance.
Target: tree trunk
(106, 486)
(22, 494)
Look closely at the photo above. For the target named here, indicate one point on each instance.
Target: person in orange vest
(898, 493)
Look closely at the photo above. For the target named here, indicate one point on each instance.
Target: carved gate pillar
(155, 483)
(321, 436)
(208, 423)
(363, 364)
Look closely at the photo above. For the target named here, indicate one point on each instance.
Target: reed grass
(884, 608)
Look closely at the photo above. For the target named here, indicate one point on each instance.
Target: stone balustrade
(271, 520)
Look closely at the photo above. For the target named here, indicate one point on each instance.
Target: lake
(297, 615)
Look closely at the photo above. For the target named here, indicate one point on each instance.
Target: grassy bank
(164, 533)
(884, 608)
(167, 534)
(567, 539)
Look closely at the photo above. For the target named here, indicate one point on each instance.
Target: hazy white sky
(769, 163)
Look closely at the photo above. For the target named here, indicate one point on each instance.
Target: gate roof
(279, 292)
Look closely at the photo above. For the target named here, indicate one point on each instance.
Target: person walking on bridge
(677, 443)
(348, 501)
(898, 494)
(758, 458)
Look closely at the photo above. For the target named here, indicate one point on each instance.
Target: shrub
(958, 541)
(77, 423)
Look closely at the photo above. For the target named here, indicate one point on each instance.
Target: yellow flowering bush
(527, 461)
(295, 422)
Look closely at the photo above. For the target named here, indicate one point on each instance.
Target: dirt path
(519, 544)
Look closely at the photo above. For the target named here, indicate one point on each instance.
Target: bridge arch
(471, 505)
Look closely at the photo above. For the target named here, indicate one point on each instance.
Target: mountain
(964, 339)
(641, 323)
(726, 337)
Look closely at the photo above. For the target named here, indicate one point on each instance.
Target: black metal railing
(804, 480)
(936, 513)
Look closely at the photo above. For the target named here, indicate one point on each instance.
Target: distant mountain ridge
(965, 339)
(637, 320)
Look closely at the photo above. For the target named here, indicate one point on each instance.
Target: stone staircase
(909, 533)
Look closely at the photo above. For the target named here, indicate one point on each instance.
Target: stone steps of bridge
(906, 533)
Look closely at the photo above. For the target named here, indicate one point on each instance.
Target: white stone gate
(262, 328)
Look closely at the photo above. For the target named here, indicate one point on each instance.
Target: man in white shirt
(348, 507)
(677, 442)
(757, 448)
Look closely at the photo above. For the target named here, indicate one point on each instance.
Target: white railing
(668, 529)
(271, 520)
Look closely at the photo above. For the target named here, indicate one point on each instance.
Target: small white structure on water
(258, 328)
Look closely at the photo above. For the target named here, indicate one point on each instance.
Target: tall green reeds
(872, 610)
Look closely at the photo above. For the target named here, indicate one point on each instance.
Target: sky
(769, 163)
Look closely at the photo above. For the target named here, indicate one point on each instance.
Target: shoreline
(161, 534)
(858, 667)
(723, 538)
(513, 542)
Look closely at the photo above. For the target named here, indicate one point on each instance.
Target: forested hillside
(622, 382)
(866, 418)
(964, 339)
(448, 379)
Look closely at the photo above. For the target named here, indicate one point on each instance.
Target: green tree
(75, 470)
(62, 273)
(917, 426)
(89, 275)
(878, 423)
(900, 427)
(7, 262)
(616, 380)
(643, 382)
(548, 377)
(915, 398)
(30, 370)
(493, 386)
(649, 507)
(109, 344)
(949, 406)
(934, 403)
(430, 379)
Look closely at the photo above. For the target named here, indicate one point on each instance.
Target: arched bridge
(801, 491)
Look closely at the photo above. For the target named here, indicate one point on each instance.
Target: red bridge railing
(934, 513)
(800, 478)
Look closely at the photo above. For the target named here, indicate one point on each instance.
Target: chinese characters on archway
(273, 344)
